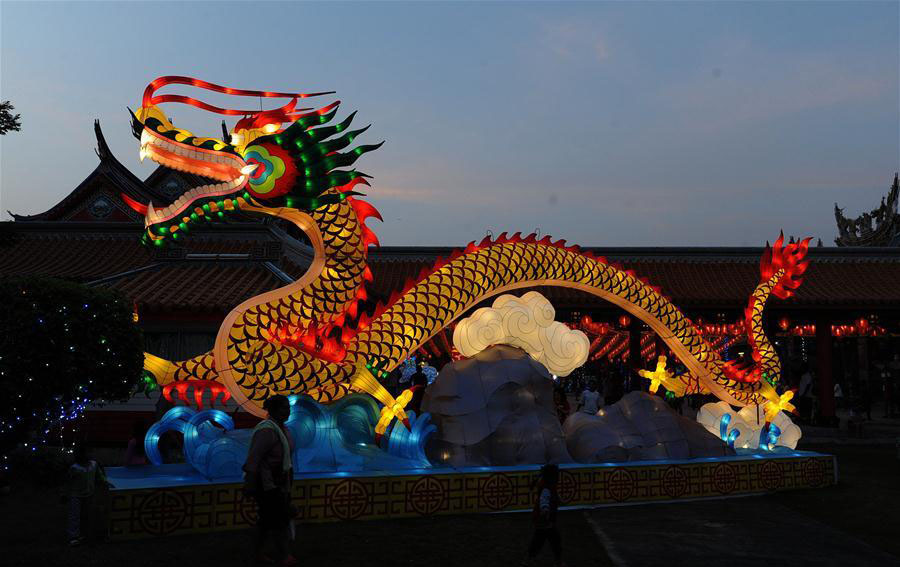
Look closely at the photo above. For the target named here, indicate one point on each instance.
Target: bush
(63, 347)
(40, 466)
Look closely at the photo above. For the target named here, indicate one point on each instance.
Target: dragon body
(311, 336)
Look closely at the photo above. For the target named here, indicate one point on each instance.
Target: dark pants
(540, 536)
(274, 519)
(274, 509)
(804, 407)
(79, 516)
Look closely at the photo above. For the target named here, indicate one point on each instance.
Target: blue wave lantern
(340, 437)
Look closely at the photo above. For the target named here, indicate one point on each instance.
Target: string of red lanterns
(859, 328)
(613, 343)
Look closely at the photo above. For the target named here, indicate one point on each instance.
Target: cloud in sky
(571, 38)
(601, 123)
(752, 83)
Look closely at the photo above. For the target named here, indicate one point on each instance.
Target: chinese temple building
(842, 320)
(880, 227)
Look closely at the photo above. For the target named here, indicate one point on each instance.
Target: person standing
(546, 505)
(561, 402)
(134, 453)
(866, 397)
(83, 478)
(890, 386)
(838, 396)
(805, 394)
(590, 400)
(884, 385)
(268, 475)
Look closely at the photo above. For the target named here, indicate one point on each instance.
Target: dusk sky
(620, 124)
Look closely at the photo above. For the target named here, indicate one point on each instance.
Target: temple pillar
(660, 347)
(824, 368)
(634, 349)
(862, 352)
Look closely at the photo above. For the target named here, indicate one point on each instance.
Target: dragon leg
(197, 373)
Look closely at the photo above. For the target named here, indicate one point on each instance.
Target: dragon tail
(785, 265)
(161, 369)
(781, 273)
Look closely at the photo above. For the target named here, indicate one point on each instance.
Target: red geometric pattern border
(205, 508)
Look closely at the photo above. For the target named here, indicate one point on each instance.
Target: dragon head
(285, 157)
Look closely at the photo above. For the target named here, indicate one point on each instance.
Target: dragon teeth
(151, 216)
(150, 140)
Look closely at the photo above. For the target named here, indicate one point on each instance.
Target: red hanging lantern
(784, 323)
(863, 325)
(624, 320)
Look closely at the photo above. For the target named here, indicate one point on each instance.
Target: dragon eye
(275, 171)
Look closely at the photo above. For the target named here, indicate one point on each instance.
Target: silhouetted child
(546, 505)
(82, 481)
(134, 454)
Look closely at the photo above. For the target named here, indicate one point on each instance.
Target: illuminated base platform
(173, 499)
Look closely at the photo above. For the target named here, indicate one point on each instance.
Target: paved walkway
(879, 430)
(737, 532)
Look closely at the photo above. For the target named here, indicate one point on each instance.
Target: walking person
(269, 472)
(544, 514)
(82, 480)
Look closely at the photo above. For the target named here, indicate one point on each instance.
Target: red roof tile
(179, 279)
(171, 279)
(77, 256)
(197, 286)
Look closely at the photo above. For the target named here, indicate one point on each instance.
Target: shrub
(63, 347)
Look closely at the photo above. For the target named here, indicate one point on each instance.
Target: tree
(63, 347)
(8, 121)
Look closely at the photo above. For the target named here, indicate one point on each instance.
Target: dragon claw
(365, 380)
(662, 377)
(200, 386)
(778, 404)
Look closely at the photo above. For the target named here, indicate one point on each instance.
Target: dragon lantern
(311, 337)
